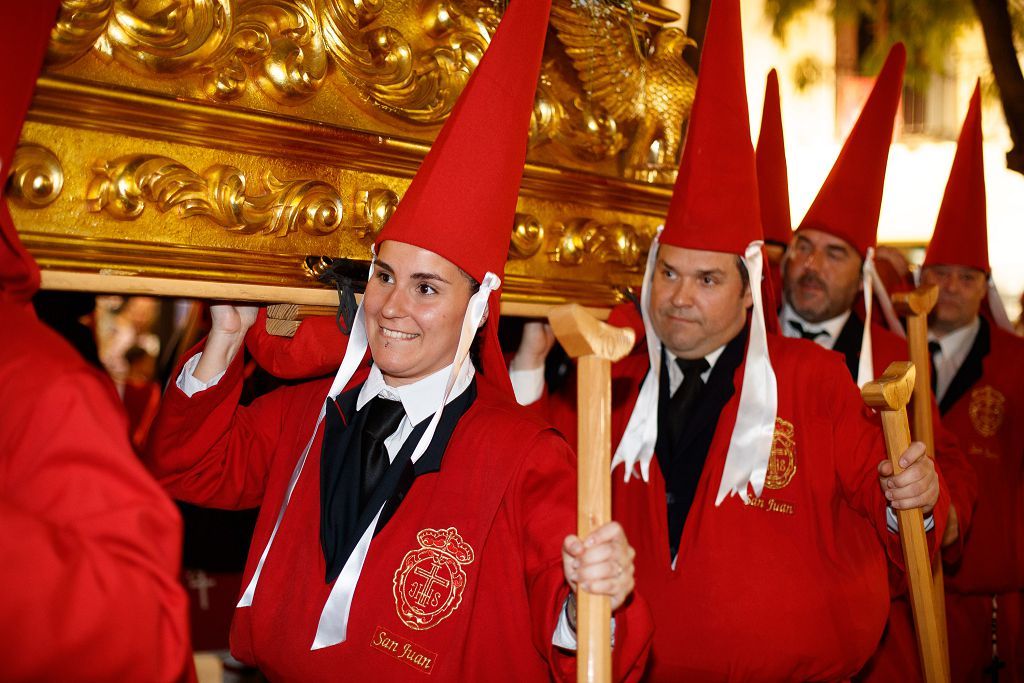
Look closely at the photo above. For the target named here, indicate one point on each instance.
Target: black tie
(934, 350)
(806, 334)
(382, 419)
(680, 406)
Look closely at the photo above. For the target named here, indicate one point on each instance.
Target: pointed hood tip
(772, 171)
(961, 226)
(462, 200)
(849, 202)
(715, 207)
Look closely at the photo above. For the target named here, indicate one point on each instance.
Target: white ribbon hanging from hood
(995, 304)
(866, 366)
(751, 440)
(750, 446)
(641, 434)
(885, 301)
(332, 628)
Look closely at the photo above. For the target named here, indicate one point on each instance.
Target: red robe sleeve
(209, 450)
(90, 544)
(860, 429)
(543, 505)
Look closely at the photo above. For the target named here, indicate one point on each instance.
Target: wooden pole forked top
(893, 389)
(921, 301)
(581, 334)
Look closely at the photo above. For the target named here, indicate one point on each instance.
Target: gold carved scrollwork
(175, 37)
(36, 178)
(81, 23)
(123, 186)
(382, 62)
(527, 236)
(373, 208)
(583, 239)
(286, 46)
(279, 41)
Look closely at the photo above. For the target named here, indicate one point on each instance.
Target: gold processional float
(232, 148)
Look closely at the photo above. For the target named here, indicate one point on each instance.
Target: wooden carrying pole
(890, 395)
(307, 301)
(916, 306)
(594, 345)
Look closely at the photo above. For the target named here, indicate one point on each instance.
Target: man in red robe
(979, 383)
(829, 263)
(89, 545)
(413, 517)
(786, 579)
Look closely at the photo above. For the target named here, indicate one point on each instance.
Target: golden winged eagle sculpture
(633, 76)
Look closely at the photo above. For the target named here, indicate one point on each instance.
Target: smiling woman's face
(414, 306)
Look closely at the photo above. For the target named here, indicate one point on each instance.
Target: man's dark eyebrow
(385, 266)
(837, 248)
(713, 271)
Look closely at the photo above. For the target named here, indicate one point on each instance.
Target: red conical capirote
(961, 229)
(714, 204)
(772, 176)
(850, 199)
(462, 202)
(24, 34)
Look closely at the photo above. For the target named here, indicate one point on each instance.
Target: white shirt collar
(958, 342)
(675, 375)
(420, 399)
(954, 349)
(832, 327)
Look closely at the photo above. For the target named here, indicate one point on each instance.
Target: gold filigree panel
(192, 212)
(613, 96)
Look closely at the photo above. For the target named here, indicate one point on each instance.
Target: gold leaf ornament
(584, 240)
(36, 177)
(527, 236)
(122, 188)
(279, 41)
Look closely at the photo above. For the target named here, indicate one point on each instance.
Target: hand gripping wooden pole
(916, 306)
(594, 345)
(890, 395)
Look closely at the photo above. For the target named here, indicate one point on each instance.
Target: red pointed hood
(24, 34)
(462, 201)
(850, 200)
(961, 229)
(714, 204)
(772, 176)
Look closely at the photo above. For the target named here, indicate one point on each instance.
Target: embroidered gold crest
(987, 410)
(782, 463)
(429, 583)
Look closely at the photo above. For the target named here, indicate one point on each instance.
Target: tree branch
(998, 29)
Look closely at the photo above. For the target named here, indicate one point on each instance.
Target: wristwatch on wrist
(570, 611)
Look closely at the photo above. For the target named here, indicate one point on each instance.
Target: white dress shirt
(831, 327)
(419, 399)
(528, 385)
(953, 350)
